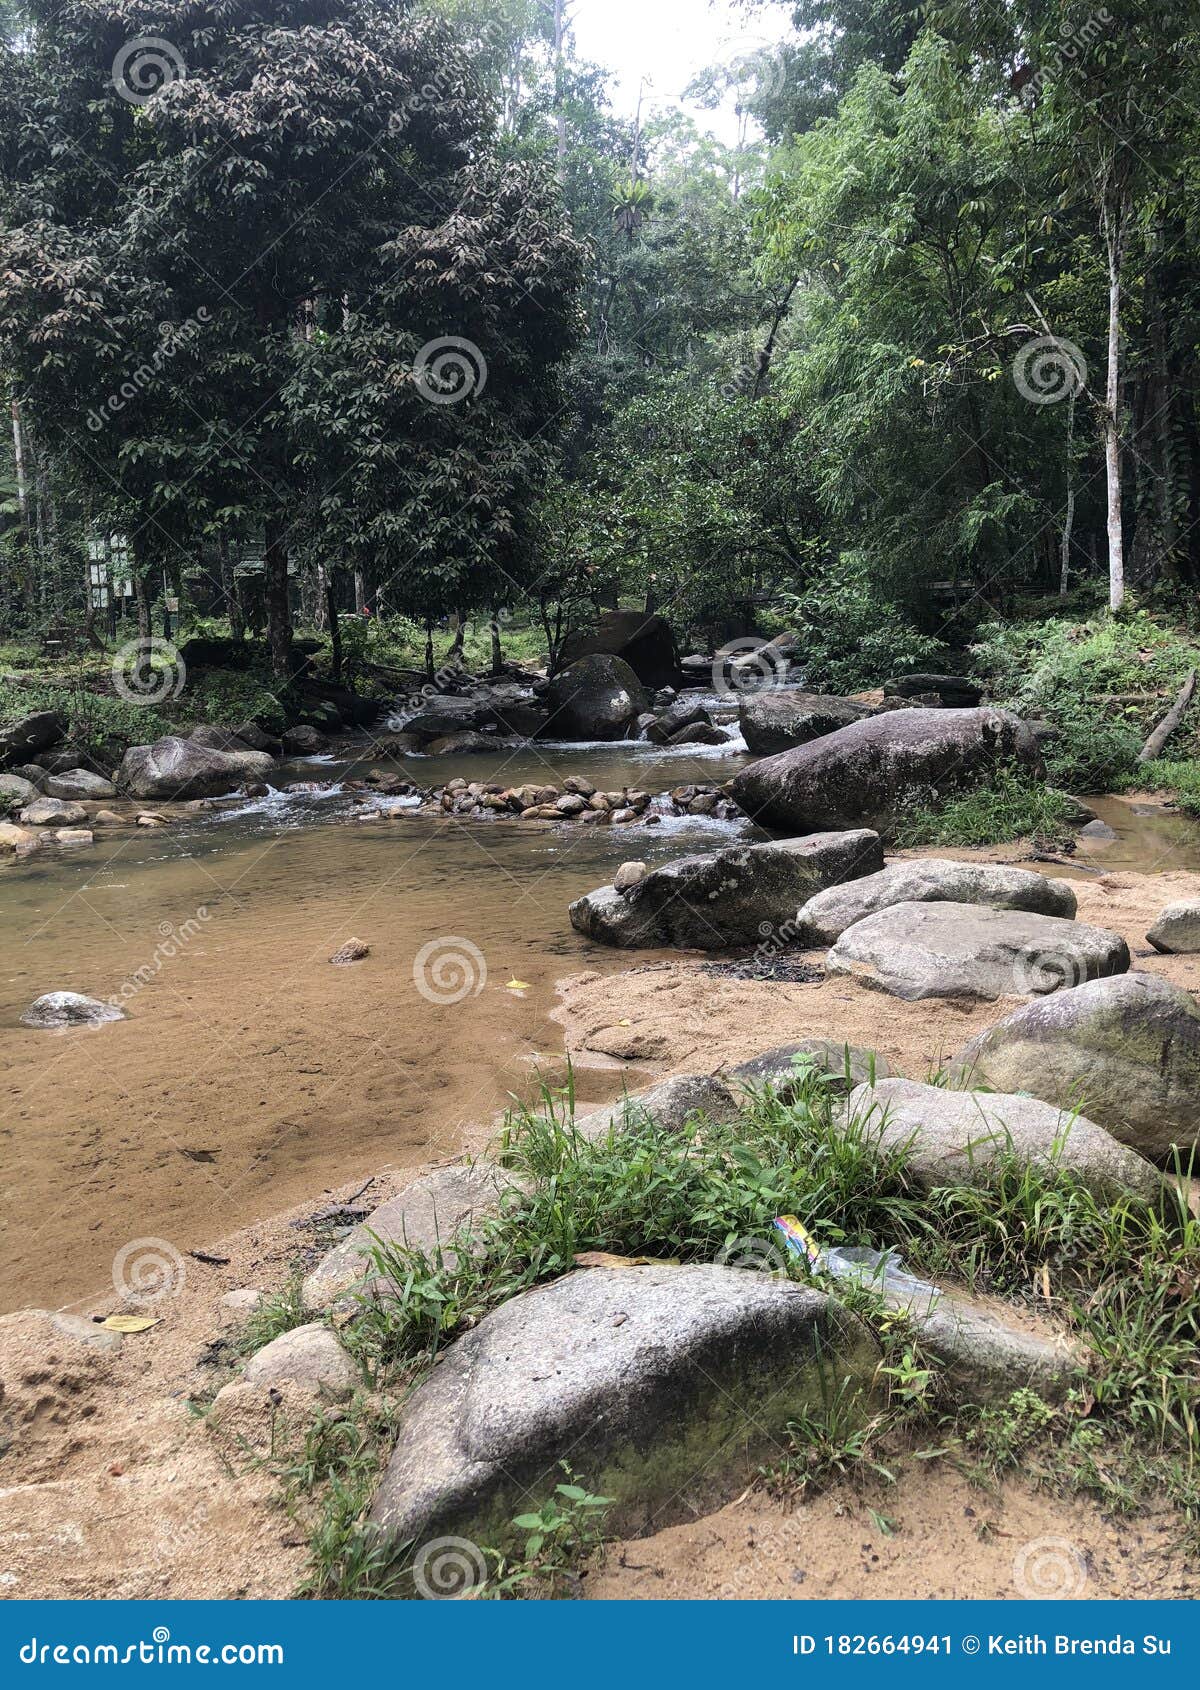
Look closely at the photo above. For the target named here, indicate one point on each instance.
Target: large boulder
(781, 718)
(862, 775)
(963, 1138)
(598, 698)
(643, 640)
(183, 768)
(79, 783)
(53, 812)
(929, 880)
(15, 789)
(652, 1379)
(719, 899)
(944, 950)
(20, 740)
(427, 1215)
(1125, 1050)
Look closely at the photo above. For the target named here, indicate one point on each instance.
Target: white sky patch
(668, 42)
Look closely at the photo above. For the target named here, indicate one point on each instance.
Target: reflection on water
(250, 1074)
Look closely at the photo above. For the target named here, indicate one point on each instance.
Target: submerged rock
(944, 950)
(1126, 1051)
(649, 1377)
(69, 1009)
(958, 1138)
(781, 718)
(933, 880)
(862, 775)
(723, 898)
(182, 768)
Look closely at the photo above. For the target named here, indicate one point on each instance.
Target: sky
(668, 41)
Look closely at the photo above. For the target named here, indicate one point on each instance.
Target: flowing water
(249, 1073)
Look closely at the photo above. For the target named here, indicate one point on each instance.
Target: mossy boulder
(1125, 1050)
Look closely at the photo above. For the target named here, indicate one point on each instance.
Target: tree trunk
(1115, 241)
(279, 609)
(335, 627)
(430, 671)
(229, 589)
(560, 30)
(497, 651)
(1064, 574)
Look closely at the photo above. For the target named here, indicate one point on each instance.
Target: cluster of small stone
(576, 800)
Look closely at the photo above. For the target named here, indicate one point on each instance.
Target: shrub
(852, 638)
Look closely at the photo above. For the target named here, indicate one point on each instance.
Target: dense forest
(311, 307)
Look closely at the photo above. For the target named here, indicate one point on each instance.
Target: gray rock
(1097, 832)
(53, 812)
(954, 690)
(1177, 930)
(308, 1356)
(700, 733)
(644, 641)
(304, 741)
(1126, 1050)
(781, 718)
(847, 1064)
(427, 1215)
(649, 1377)
(182, 768)
(957, 1137)
(597, 698)
(250, 734)
(862, 775)
(723, 898)
(461, 744)
(933, 880)
(945, 950)
(69, 1009)
(84, 1331)
(18, 788)
(683, 713)
(70, 836)
(20, 740)
(79, 783)
(20, 840)
(670, 1104)
(629, 875)
(984, 1356)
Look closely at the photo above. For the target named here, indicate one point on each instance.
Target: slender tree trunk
(1115, 242)
(430, 671)
(19, 463)
(1064, 573)
(454, 655)
(560, 31)
(335, 627)
(360, 590)
(497, 650)
(229, 587)
(279, 609)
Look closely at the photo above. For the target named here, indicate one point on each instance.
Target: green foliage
(1180, 779)
(559, 1537)
(1013, 806)
(228, 697)
(851, 637)
(99, 726)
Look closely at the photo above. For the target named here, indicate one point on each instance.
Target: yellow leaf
(602, 1259)
(517, 986)
(129, 1322)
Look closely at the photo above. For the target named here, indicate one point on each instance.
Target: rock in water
(933, 880)
(79, 783)
(182, 768)
(597, 698)
(862, 775)
(722, 898)
(1177, 930)
(945, 950)
(53, 812)
(648, 1376)
(1127, 1051)
(960, 1137)
(781, 718)
(69, 1009)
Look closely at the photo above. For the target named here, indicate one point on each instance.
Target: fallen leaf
(129, 1322)
(517, 986)
(602, 1259)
